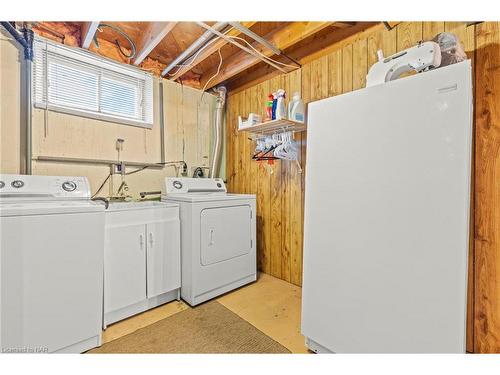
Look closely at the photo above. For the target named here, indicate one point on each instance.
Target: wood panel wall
(487, 190)
(341, 68)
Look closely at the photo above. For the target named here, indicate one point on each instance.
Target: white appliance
(142, 257)
(217, 237)
(51, 264)
(387, 216)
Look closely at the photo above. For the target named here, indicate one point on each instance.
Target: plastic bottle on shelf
(296, 108)
(269, 107)
(280, 105)
(275, 101)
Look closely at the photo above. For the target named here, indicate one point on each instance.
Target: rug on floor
(208, 328)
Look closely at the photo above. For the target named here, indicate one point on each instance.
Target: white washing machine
(51, 265)
(217, 237)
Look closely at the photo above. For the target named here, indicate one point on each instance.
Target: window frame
(104, 66)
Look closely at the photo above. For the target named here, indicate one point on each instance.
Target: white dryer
(51, 265)
(217, 237)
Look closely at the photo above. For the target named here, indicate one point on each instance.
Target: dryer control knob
(177, 184)
(2, 184)
(69, 186)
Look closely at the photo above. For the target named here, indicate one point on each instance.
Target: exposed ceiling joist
(342, 25)
(281, 38)
(209, 51)
(152, 36)
(242, 47)
(88, 31)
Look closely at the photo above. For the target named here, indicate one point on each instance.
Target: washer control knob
(69, 186)
(2, 184)
(17, 184)
(219, 184)
(177, 184)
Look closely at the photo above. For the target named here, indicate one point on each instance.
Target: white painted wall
(188, 124)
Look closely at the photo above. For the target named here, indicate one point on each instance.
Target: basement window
(77, 82)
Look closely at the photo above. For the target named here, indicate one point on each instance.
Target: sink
(135, 205)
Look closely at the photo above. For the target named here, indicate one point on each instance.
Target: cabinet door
(124, 266)
(163, 256)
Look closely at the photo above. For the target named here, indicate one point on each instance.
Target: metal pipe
(62, 159)
(217, 150)
(162, 123)
(26, 41)
(197, 44)
(256, 37)
(240, 46)
(15, 34)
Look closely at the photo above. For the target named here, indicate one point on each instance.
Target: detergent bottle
(296, 108)
(280, 105)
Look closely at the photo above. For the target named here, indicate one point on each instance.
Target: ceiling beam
(88, 31)
(209, 51)
(282, 38)
(344, 24)
(252, 52)
(151, 37)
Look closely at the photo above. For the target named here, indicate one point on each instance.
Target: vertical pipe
(28, 58)
(28, 113)
(26, 41)
(162, 122)
(217, 151)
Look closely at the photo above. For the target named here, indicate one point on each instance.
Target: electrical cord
(102, 185)
(184, 165)
(133, 48)
(215, 75)
(195, 56)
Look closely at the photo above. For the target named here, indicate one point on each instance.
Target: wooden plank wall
(342, 68)
(487, 190)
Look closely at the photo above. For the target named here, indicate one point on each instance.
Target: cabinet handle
(141, 241)
(151, 239)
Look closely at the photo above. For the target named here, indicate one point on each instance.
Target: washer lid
(49, 208)
(205, 197)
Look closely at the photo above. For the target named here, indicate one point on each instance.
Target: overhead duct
(219, 116)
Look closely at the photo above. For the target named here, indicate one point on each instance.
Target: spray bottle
(280, 105)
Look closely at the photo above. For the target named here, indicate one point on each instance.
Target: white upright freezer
(387, 216)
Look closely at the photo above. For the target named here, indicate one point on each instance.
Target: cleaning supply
(280, 105)
(275, 101)
(296, 108)
(269, 107)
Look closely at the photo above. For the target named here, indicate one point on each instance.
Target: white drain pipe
(217, 150)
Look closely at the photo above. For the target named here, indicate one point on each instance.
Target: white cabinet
(142, 258)
(164, 272)
(124, 266)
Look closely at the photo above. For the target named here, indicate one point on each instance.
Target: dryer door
(225, 233)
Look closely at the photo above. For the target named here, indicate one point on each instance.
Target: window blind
(75, 81)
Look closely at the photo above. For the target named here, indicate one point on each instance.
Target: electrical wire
(102, 185)
(260, 53)
(215, 75)
(133, 48)
(195, 56)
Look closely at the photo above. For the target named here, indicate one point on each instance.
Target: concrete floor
(271, 305)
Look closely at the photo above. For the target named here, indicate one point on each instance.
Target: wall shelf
(275, 126)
